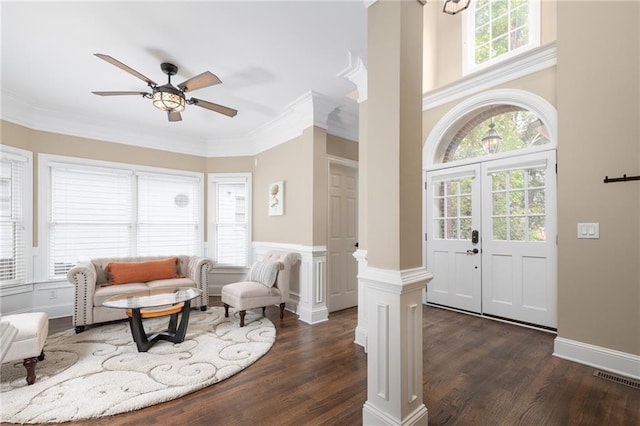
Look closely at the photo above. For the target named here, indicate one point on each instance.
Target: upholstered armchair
(267, 284)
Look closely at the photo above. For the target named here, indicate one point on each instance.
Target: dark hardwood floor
(476, 372)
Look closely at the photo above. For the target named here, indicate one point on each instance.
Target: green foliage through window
(518, 129)
(518, 211)
(500, 27)
(452, 212)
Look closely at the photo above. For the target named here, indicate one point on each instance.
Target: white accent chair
(259, 290)
(27, 343)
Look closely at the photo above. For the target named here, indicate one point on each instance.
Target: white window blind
(230, 237)
(91, 215)
(168, 215)
(112, 212)
(13, 242)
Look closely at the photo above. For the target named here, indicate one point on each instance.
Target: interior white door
(342, 283)
(452, 215)
(519, 241)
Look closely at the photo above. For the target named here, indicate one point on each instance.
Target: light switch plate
(589, 230)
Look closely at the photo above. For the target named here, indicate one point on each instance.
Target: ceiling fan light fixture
(168, 99)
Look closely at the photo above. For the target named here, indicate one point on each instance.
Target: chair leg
(282, 305)
(203, 308)
(79, 329)
(226, 310)
(242, 314)
(30, 365)
(264, 311)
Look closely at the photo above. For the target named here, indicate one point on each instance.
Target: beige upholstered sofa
(89, 279)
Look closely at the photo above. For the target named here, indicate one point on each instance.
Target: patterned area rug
(100, 372)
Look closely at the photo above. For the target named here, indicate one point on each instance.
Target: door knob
(474, 251)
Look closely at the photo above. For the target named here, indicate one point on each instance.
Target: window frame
(468, 38)
(212, 180)
(45, 198)
(27, 212)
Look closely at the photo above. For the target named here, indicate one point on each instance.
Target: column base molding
(395, 281)
(361, 329)
(372, 416)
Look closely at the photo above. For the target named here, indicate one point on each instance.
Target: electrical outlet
(53, 294)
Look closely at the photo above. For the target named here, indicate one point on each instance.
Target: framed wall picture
(276, 198)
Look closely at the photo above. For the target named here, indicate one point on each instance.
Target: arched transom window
(494, 129)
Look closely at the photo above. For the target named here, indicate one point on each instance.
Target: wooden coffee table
(156, 303)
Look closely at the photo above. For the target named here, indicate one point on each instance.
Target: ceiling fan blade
(122, 66)
(120, 93)
(174, 116)
(214, 107)
(205, 79)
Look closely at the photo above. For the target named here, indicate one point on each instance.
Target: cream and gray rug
(100, 372)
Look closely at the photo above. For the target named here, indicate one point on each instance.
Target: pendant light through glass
(491, 140)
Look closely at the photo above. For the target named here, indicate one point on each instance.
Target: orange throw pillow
(141, 272)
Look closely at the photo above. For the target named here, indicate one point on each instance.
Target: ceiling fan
(168, 97)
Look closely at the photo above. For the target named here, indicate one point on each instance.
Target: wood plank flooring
(476, 372)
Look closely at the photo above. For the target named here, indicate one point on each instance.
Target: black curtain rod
(624, 178)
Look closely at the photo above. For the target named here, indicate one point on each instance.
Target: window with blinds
(110, 212)
(168, 215)
(13, 238)
(230, 231)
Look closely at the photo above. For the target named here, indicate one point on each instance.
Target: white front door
(511, 203)
(453, 214)
(342, 281)
(519, 240)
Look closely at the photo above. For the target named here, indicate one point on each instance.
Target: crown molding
(527, 63)
(311, 109)
(19, 112)
(356, 73)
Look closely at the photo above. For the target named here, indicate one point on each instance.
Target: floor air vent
(618, 379)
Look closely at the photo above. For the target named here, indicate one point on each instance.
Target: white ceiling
(270, 56)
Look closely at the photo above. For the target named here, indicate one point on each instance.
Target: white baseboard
(606, 359)
(361, 336)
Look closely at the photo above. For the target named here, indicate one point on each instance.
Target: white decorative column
(393, 277)
(312, 305)
(394, 342)
(363, 300)
(356, 72)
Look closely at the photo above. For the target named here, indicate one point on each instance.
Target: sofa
(95, 282)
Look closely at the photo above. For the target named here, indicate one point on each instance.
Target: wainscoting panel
(308, 293)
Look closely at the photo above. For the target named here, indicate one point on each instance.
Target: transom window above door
(499, 29)
(495, 129)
